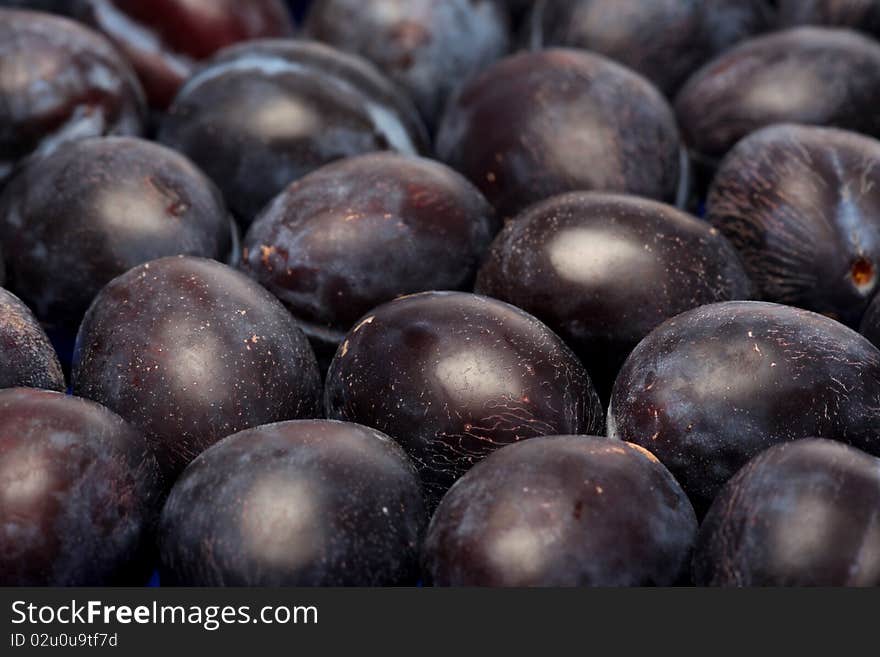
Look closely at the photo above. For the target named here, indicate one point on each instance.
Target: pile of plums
(459, 293)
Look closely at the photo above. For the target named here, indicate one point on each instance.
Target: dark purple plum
(604, 270)
(362, 231)
(27, 359)
(260, 115)
(815, 76)
(79, 493)
(664, 40)
(802, 206)
(352, 70)
(73, 221)
(861, 15)
(60, 81)
(304, 503)
(165, 39)
(538, 124)
(562, 511)
(799, 514)
(871, 322)
(429, 48)
(190, 351)
(711, 388)
(453, 376)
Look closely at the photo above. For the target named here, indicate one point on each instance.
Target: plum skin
(711, 388)
(798, 514)
(92, 493)
(801, 205)
(453, 376)
(190, 351)
(816, 76)
(522, 129)
(656, 262)
(27, 358)
(412, 41)
(73, 221)
(60, 81)
(184, 31)
(259, 115)
(322, 246)
(664, 40)
(863, 15)
(319, 503)
(562, 511)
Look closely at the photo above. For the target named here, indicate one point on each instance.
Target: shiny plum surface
(304, 503)
(190, 351)
(453, 377)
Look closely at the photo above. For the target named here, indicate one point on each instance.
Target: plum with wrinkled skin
(523, 130)
(73, 221)
(861, 15)
(190, 351)
(809, 75)
(798, 514)
(562, 511)
(604, 270)
(323, 245)
(262, 114)
(79, 493)
(802, 206)
(60, 81)
(429, 48)
(870, 327)
(453, 376)
(27, 359)
(303, 503)
(165, 39)
(711, 388)
(664, 40)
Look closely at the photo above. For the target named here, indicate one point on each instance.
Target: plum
(538, 124)
(664, 40)
(453, 376)
(60, 81)
(711, 388)
(190, 351)
(562, 511)
(79, 493)
(260, 115)
(361, 231)
(429, 48)
(810, 75)
(165, 39)
(303, 503)
(802, 206)
(73, 221)
(798, 514)
(862, 15)
(27, 359)
(603, 270)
